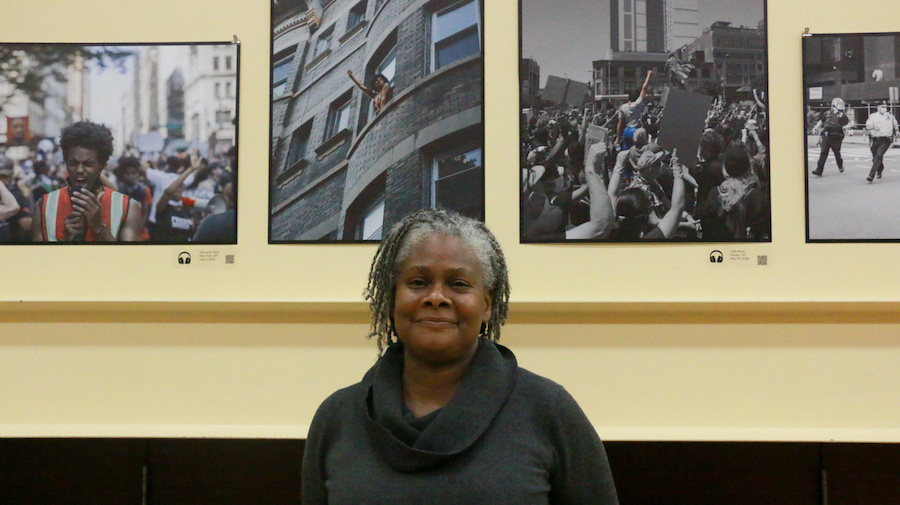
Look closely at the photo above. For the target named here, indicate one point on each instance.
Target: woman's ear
(488, 297)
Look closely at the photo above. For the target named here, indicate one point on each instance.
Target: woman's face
(379, 83)
(440, 301)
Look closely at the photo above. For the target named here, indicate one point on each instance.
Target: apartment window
(218, 88)
(215, 63)
(299, 144)
(372, 223)
(228, 63)
(323, 43)
(458, 182)
(228, 89)
(456, 33)
(338, 116)
(388, 68)
(281, 69)
(357, 14)
(223, 116)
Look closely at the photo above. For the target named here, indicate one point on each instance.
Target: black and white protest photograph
(851, 91)
(114, 144)
(377, 111)
(644, 121)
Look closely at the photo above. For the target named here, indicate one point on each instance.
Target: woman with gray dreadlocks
(446, 416)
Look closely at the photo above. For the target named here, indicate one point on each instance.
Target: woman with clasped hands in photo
(446, 416)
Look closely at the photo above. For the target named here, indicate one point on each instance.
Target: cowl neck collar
(484, 389)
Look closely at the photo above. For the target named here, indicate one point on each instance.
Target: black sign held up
(682, 123)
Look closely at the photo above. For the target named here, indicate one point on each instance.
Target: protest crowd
(175, 191)
(600, 172)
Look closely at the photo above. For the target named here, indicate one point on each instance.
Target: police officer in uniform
(881, 127)
(831, 127)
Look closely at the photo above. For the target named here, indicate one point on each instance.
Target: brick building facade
(338, 169)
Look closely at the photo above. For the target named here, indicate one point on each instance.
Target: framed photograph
(851, 90)
(650, 125)
(118, 143)
(377, 110)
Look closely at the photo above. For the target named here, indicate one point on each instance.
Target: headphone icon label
(184, 258)
(716, 257)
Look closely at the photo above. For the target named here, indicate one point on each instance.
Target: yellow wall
(716, 374)
(183, 358)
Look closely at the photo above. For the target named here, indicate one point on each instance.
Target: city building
(339, 170)
(622, 72)
(729, 60)
(637, 25)
(682, 23)
(207, 108)
(863, 70)
(529, 82)
(184, 97)
(833, 61)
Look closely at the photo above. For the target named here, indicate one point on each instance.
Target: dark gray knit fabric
(508, 436)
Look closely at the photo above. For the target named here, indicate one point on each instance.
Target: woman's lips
(437, 321)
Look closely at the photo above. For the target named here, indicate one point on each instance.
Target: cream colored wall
(182, 361)
(715, 375)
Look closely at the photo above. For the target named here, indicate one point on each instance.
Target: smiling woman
(440, 305)
(446, 416)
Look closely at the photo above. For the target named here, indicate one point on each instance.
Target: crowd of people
(74, 190)
(598, 173)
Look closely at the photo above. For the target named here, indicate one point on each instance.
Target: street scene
(644, 121)
(844, 205)
(851, 92)
(113, 144)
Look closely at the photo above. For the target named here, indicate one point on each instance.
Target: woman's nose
(436, 295)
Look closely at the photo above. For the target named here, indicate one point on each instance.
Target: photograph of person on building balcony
(377, 110)
(380, 89)
(84, 155)
(683, 76)
(851, 86)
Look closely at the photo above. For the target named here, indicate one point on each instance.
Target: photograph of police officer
(851, 91)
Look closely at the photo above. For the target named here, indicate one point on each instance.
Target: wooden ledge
(357, 312)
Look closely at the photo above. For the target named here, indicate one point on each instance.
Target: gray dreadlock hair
(398, 243)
